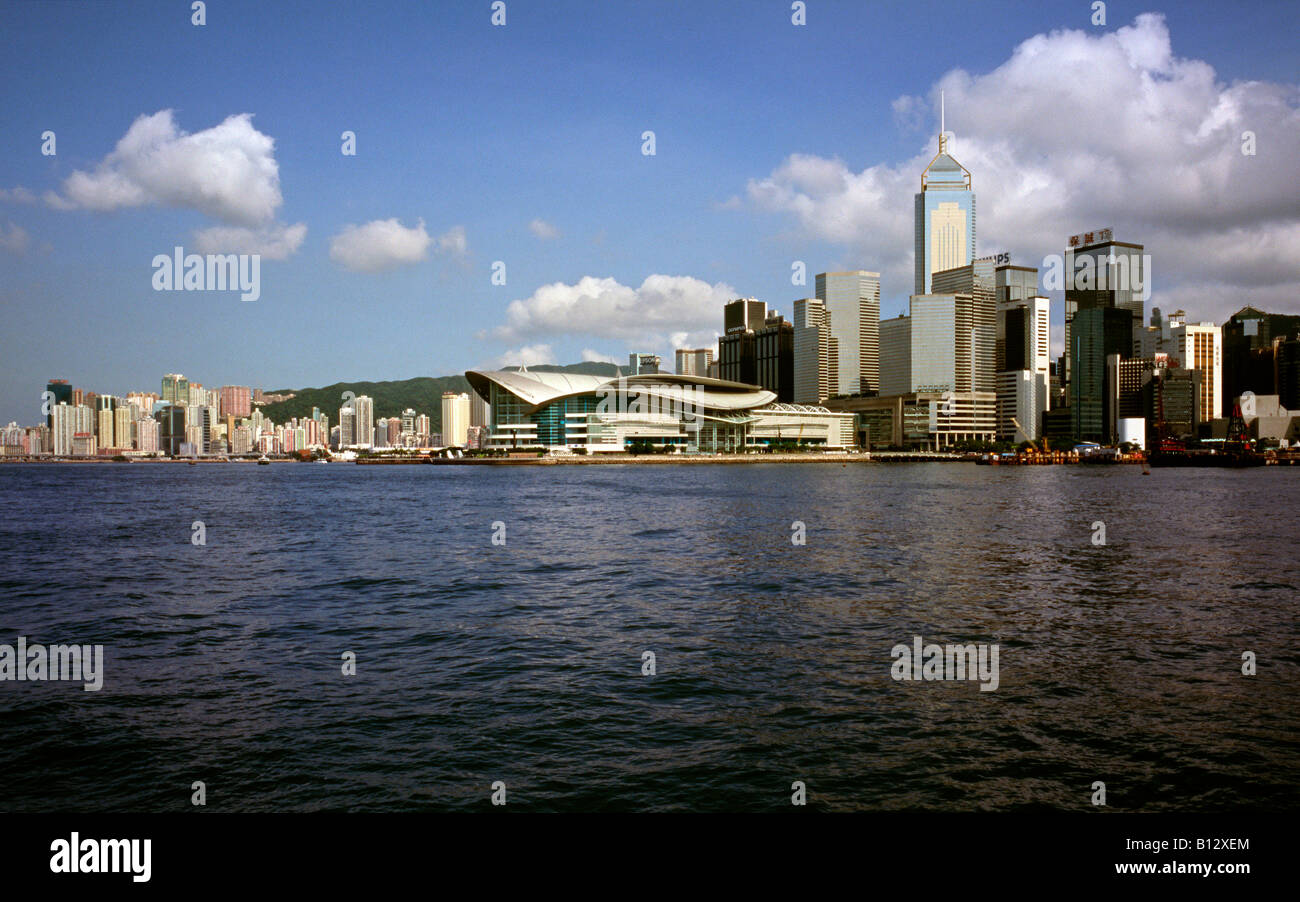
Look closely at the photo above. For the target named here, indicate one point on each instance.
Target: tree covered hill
(422, 394)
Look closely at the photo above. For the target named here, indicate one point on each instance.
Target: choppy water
(522, 663)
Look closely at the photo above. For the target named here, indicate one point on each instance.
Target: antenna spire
(943, 137)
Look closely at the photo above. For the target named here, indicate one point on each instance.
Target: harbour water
(522, 662)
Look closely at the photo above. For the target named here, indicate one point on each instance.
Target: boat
(263, 461)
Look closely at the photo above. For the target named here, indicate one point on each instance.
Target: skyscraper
(62, 394)
(853, 301)
(1102, 272)
(1098, 333)
(363, 425)
(816, 353)
(944, 223)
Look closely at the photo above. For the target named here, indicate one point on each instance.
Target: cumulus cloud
(274, 242)
(604, 308)
(15, 239)
(1080, 130)
(379, 245)
(543, 229)
(18, 195)
(528, 355)
(228, 171)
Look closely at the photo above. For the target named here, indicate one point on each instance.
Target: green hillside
(422, 394)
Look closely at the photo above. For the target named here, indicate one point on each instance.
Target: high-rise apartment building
(853, 301)
(455, 418)
(363, 425)
(69, 422)
(236, 400)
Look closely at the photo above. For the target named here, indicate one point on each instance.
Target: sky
(518, 150)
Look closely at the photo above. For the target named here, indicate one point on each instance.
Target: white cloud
(590, 356)
(275, 242)
(379, 245)
(228, 171)
(644, 317)
(1079, 130)
(543, 229)
(15, 239)
(453, 243)
(528, 355)
(18, 195)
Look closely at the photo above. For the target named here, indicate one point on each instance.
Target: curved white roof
(540, 388)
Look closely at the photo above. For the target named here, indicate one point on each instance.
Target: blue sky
(774, 143)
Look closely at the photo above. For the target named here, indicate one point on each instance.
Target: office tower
(896, 355)
(62, 394)
(944, 218)
(774, 357)
(171, 431)
(394, 431)
(236, 400)
(853, 301)
(743, 314)
(1098, 333)
(816, 353)
(637, 364)
(1023, 360)
(952, 359)
(408, 421)
(455, 418)
(423, 427)
(974, 287)
(693, 361)
(175, 389)
(736, 354)
(1199, 346)
(1288, 372)
(1102, 272)
(1251, 339)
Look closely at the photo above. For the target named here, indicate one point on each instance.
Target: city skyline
(563, 263)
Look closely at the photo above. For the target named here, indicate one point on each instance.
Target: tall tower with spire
(945, 215)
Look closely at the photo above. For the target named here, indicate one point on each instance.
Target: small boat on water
(263, 461)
